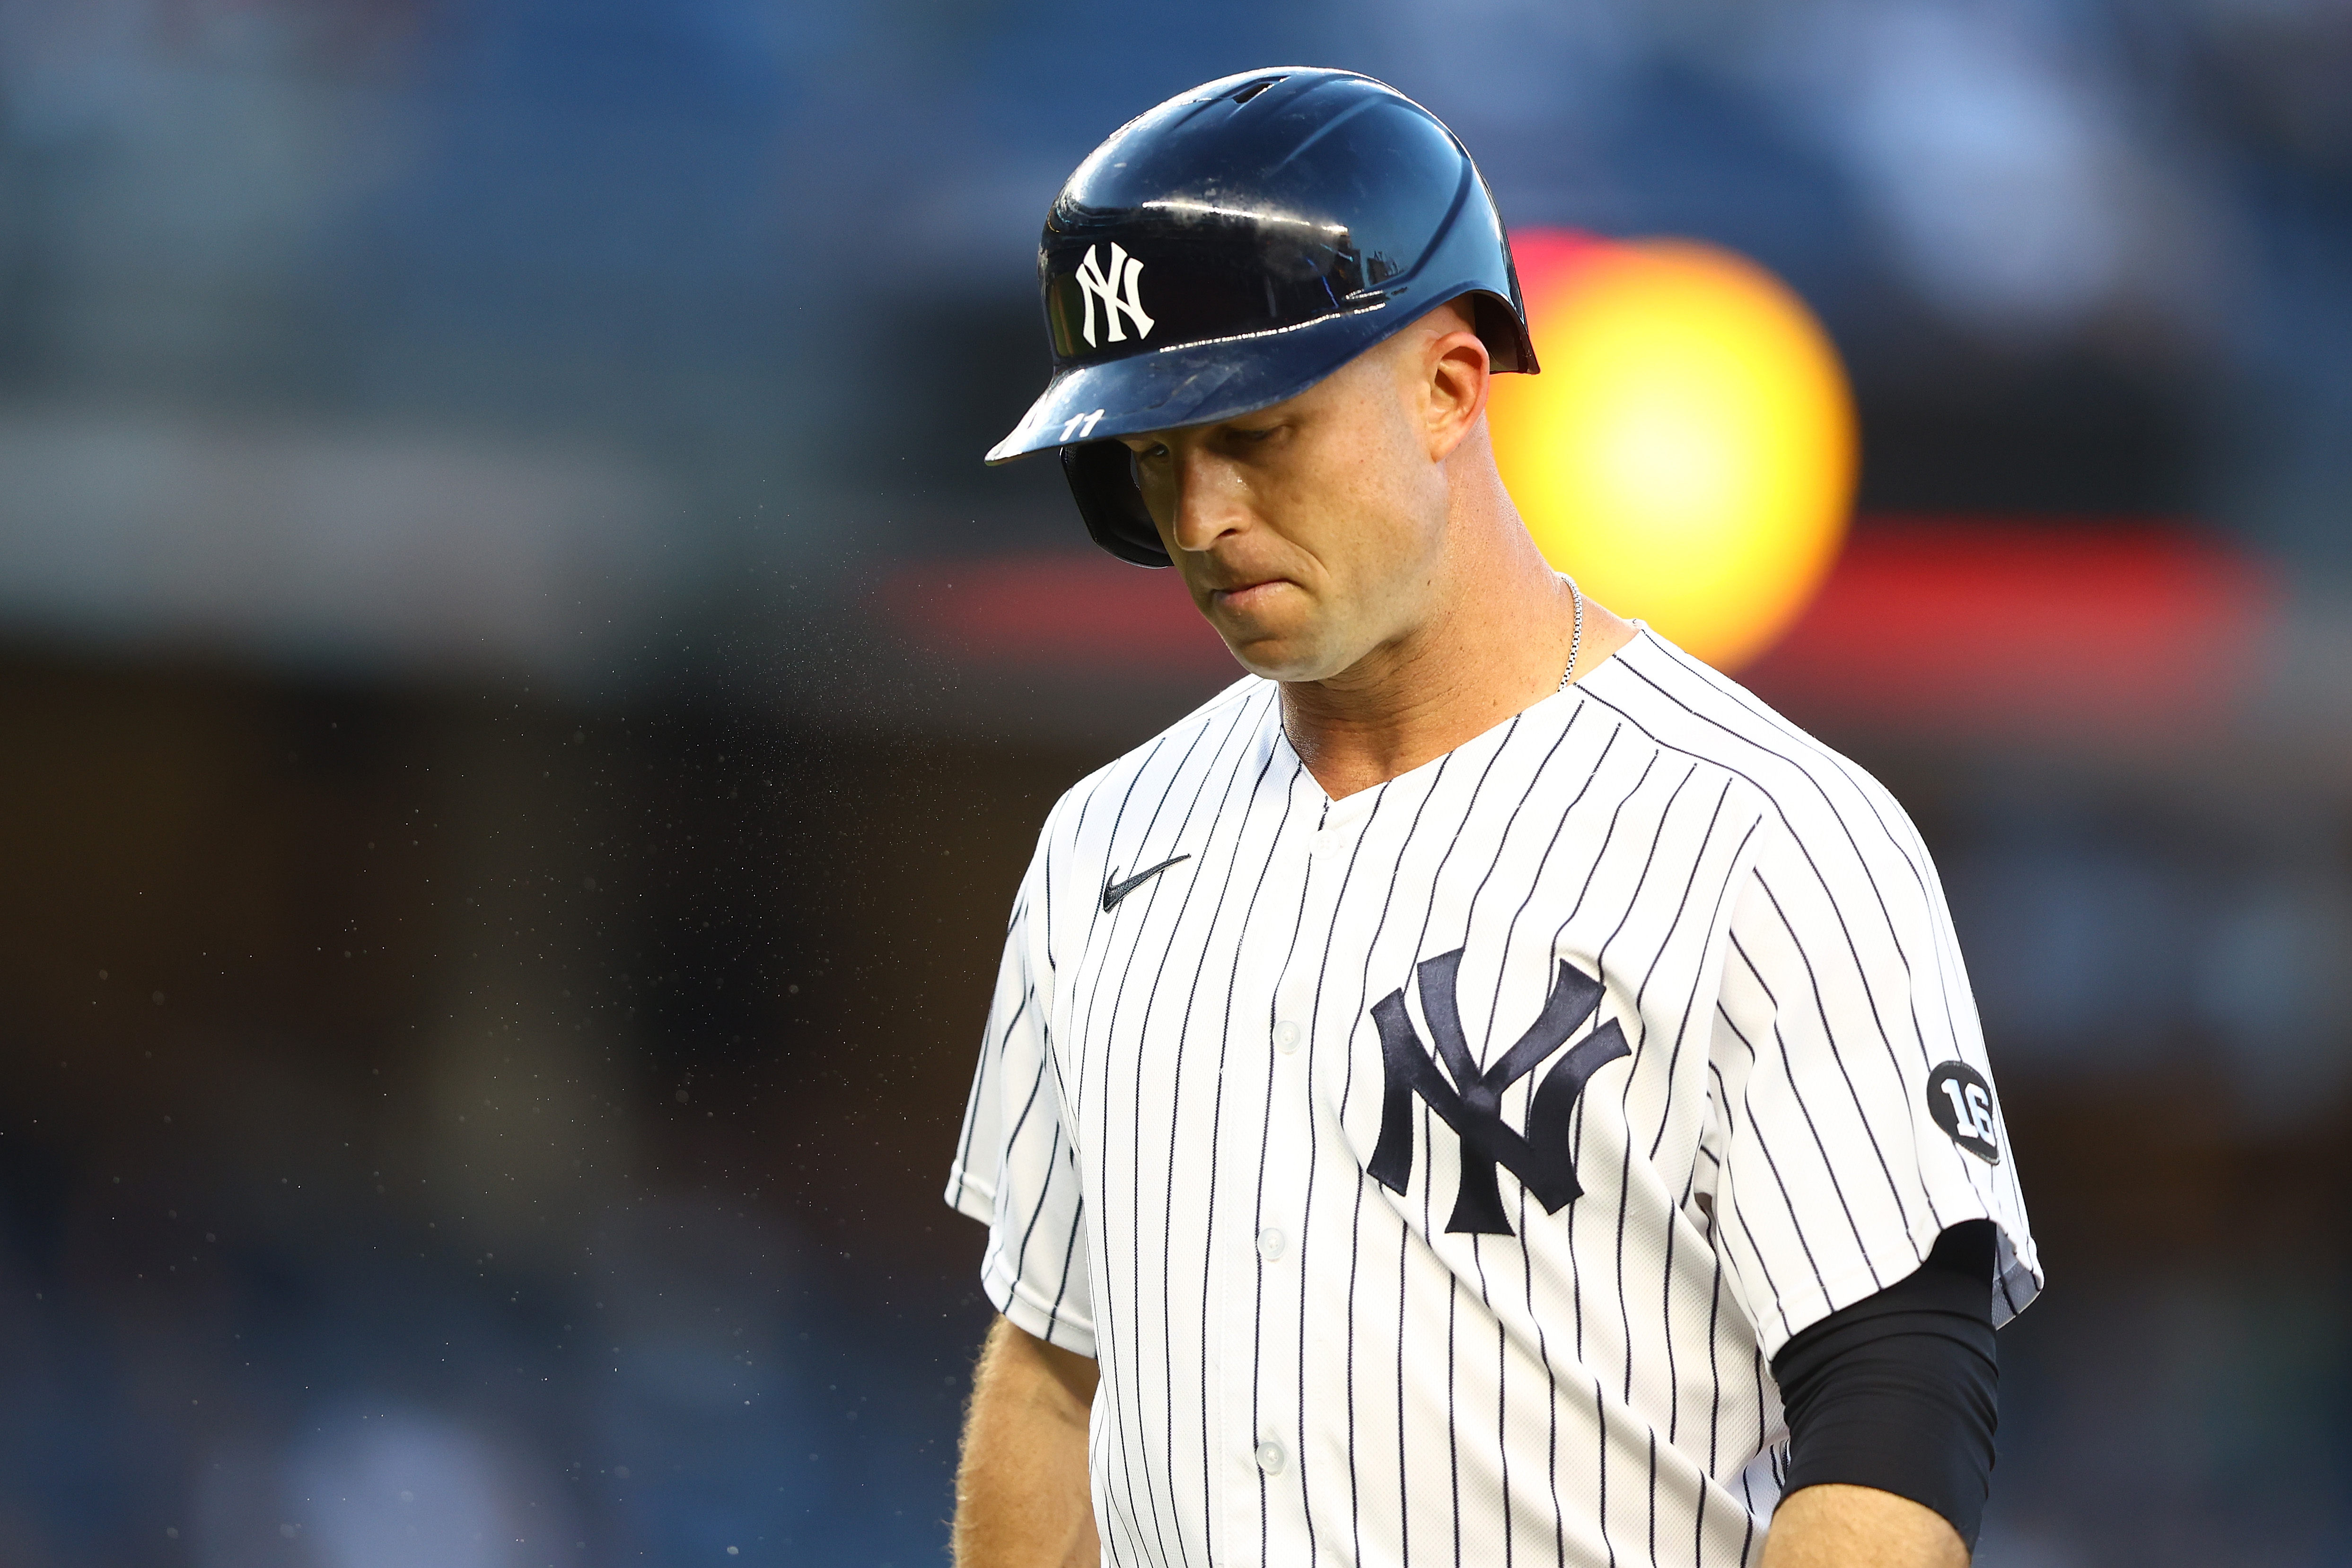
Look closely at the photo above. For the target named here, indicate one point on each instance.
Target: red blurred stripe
(1996, 626)
(1927, 624)
(1086, 611)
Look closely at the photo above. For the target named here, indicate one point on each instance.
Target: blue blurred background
(509, 825)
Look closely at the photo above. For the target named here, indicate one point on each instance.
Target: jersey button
(1285, 1036)
(1270, 1456)
(1270, 1243)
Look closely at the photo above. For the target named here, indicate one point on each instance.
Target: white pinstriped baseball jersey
(1433, 1173)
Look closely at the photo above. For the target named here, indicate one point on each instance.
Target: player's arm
(1892, 1405)
(1837, 1526)
(1845, 1033)
(1022, 1498)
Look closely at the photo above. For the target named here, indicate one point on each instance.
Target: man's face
(1309, 532)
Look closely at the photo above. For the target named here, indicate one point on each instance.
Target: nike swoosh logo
(1115, 891)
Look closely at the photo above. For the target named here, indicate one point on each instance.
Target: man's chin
(1277, 658)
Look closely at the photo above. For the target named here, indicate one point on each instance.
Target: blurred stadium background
(521, 713)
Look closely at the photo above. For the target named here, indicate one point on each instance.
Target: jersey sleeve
(1014, 1168)
(1855, 1116)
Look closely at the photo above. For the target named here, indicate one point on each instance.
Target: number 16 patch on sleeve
(1961, 1101)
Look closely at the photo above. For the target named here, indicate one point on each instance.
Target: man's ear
(1457, 372)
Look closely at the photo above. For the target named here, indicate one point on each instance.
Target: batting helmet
(1233, 246)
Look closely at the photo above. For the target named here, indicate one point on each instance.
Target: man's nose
(1210, 499)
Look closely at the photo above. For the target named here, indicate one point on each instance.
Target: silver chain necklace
(1576, 638)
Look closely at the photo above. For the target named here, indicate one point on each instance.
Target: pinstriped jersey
(1433, 1173)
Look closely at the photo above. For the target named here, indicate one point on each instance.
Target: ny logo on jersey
(1544, 1157)
(1118, 291)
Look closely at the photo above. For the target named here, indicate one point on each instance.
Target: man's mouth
(1246, 596)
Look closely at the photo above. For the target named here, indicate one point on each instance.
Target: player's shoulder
(1097, 804)
(1809, 792)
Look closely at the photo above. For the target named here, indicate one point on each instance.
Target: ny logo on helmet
(1543, 1158)
(1117, 291)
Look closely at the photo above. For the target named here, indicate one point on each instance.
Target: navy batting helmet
(1233, 246)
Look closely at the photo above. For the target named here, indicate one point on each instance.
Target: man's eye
(1258, 435)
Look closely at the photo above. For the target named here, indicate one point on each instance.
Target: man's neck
(1497, 647)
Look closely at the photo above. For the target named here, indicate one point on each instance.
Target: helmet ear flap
(1502, 326)
(1102, 479)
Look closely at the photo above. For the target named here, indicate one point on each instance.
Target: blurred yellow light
(1688, 452)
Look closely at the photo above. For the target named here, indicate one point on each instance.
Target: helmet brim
(1196, 383)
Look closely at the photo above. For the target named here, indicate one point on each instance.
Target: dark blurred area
(510, 836)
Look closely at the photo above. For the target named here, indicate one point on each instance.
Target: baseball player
(1483, 1089)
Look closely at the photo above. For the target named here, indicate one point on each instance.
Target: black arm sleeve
(1899, 1390)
